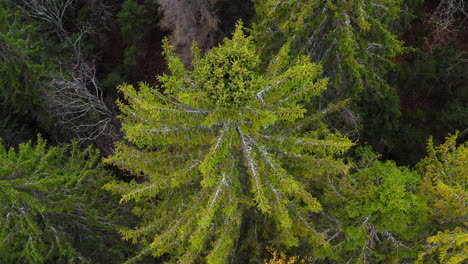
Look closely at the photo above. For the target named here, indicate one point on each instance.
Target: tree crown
(224, 139)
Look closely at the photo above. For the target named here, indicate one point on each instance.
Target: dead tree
(73, 96)
(190, 20)
(54, 14)
(449, 18)
(76, 101)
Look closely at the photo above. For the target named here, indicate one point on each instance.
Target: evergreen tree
(53, 208)
(22, 61)
(354, 43)
(381, 203)
(224, 143)
(434, 99)
(445, 172)
(350, 38)
(135, 21)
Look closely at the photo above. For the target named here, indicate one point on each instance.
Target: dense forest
(219, 131)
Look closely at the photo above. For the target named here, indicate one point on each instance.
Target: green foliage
(230, 154)
(374, 209)
(22, 63)
(136, 20)
(381, 118)
(53, 208)
(445, 177)
(350, 38)
(16, 128)
(224, 141)
(408, 15)
(364, 157)
(434, 99)
(354, 43)
(280, 258)
(389, 199)
(445, 174)
(449, 247)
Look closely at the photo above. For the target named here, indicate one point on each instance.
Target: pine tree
(53, 208)
(222, 140)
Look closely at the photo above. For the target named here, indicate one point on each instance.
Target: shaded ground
(154, 63)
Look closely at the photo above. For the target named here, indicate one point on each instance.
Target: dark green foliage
(354, 43)
(381, 118)
(350, 38)
(409, 12)
(16, 128)
(53, 208)
(135, 20)
(22, 62)
(434, 92)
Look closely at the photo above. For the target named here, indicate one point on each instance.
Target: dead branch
(54, 14)
(76, 101)
(449, 18)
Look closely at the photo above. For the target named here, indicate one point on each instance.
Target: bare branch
(449, 18)
(77, 102)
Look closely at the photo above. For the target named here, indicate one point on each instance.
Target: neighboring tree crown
(53, 208)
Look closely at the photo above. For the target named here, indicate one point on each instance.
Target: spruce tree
(222, 143)
(383, 217)
(22, 61)
(445, 172)
(352, 39)
(53, 208)
(354, 42)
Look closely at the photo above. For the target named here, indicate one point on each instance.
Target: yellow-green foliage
(389, 199)
(445, 171)
(280, 258)
(219, 140)
(374, 209)
(449, 247)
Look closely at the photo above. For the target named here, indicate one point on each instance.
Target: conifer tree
(53, 208)
(445, 172)
(382, 202)
(219, 141)
(351, 39)
(22, 63)
(354, 43)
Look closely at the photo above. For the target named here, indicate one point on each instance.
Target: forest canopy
(217, 131)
